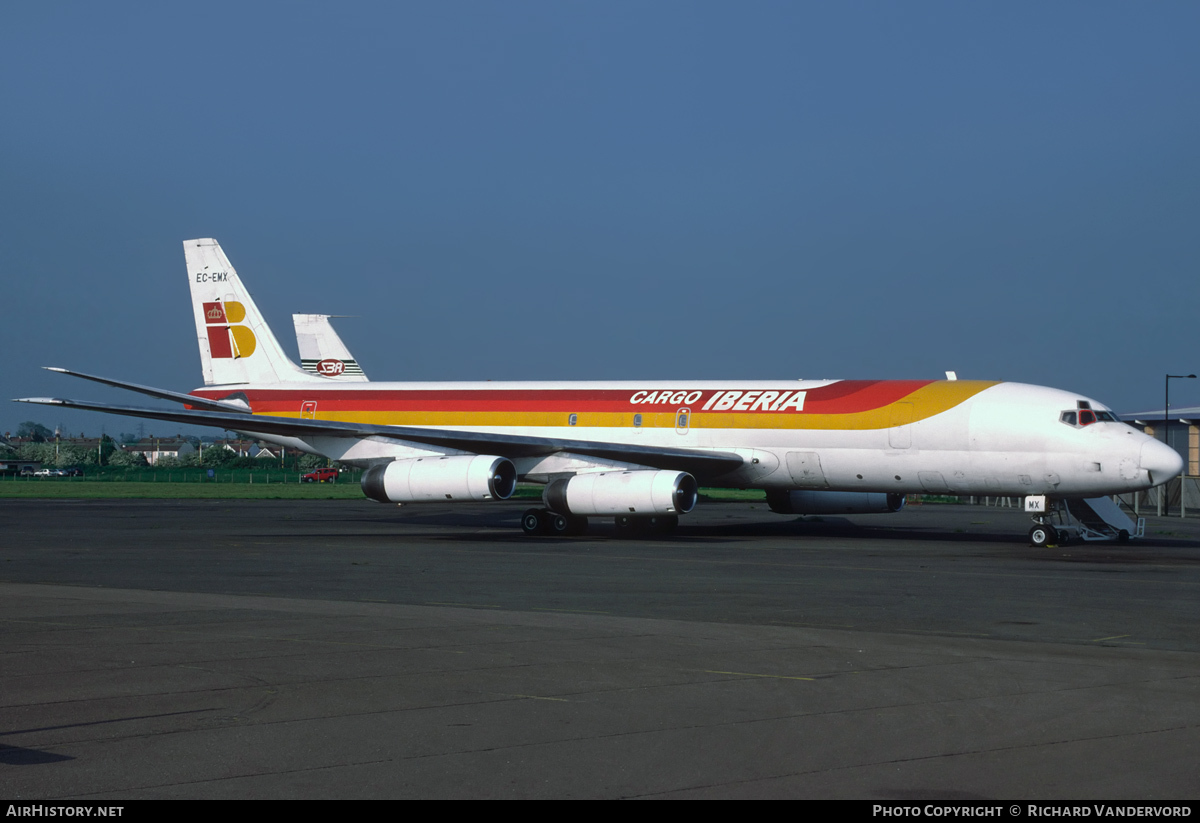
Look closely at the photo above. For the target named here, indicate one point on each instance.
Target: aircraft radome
(637, 451)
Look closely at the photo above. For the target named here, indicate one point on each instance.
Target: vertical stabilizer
(236, 345)
(322, 352)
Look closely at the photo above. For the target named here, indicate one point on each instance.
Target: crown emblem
(225, 338)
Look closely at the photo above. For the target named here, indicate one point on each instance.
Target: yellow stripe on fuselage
(921, 404)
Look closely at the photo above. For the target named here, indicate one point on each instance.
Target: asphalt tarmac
(263, 649)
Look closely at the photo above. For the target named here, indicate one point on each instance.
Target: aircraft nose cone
(1161, 461)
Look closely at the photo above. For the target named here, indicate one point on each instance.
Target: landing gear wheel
(628, 526)
(662, 523)
(565, 525)
(534, 521)
(1042, 536)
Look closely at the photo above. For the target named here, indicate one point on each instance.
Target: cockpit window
(1086, 417)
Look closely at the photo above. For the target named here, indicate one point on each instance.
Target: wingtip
(58, 369)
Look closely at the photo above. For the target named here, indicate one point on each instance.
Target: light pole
(1167, 404)
(1167, 433)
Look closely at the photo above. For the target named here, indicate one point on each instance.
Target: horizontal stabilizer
(163, 394)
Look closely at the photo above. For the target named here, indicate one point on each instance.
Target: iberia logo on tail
(224, 338)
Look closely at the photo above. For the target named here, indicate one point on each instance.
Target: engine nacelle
(623, 492)
(798, 501)
(432, 479)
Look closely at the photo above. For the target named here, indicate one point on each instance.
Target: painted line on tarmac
(752, 674)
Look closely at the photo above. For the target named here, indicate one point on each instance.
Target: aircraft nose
(1161, 461)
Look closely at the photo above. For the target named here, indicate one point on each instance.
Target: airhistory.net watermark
(42, 810)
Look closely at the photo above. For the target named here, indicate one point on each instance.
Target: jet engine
(430, 479)
(622, 493)
(796, 501)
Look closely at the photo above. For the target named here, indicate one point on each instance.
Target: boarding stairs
(1089, 519)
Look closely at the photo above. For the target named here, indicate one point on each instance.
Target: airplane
(637, 451)
(322, 351)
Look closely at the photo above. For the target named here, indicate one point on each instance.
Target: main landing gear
(628, 525)
(544, 521)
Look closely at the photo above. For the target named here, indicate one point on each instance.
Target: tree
(125, 459)
(41, 452)
(107, 447)
(68, 455)
(217, 457)
(34, 431)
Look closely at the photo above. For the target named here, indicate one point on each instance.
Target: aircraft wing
(696, 461)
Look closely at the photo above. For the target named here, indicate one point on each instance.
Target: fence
(1177, 496)
(1164, 500)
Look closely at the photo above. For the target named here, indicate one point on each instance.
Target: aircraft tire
(565, 525)
(534, 521)
(1042, 536)
(662, 523)
(626, 525)
(1123, 536)
(629, 525)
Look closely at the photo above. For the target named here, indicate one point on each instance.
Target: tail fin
(322, 351)
(236, 345)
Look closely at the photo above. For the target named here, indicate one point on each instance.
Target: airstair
(1090, 519)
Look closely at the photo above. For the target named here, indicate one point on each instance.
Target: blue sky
(609, 190)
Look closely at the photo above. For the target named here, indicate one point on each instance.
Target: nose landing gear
(1042, 536)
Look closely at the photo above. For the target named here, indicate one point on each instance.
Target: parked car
(44, 473)
(321, 476)
(71, 471)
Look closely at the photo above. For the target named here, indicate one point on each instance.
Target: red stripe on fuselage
(849, 396)
(843, 397)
